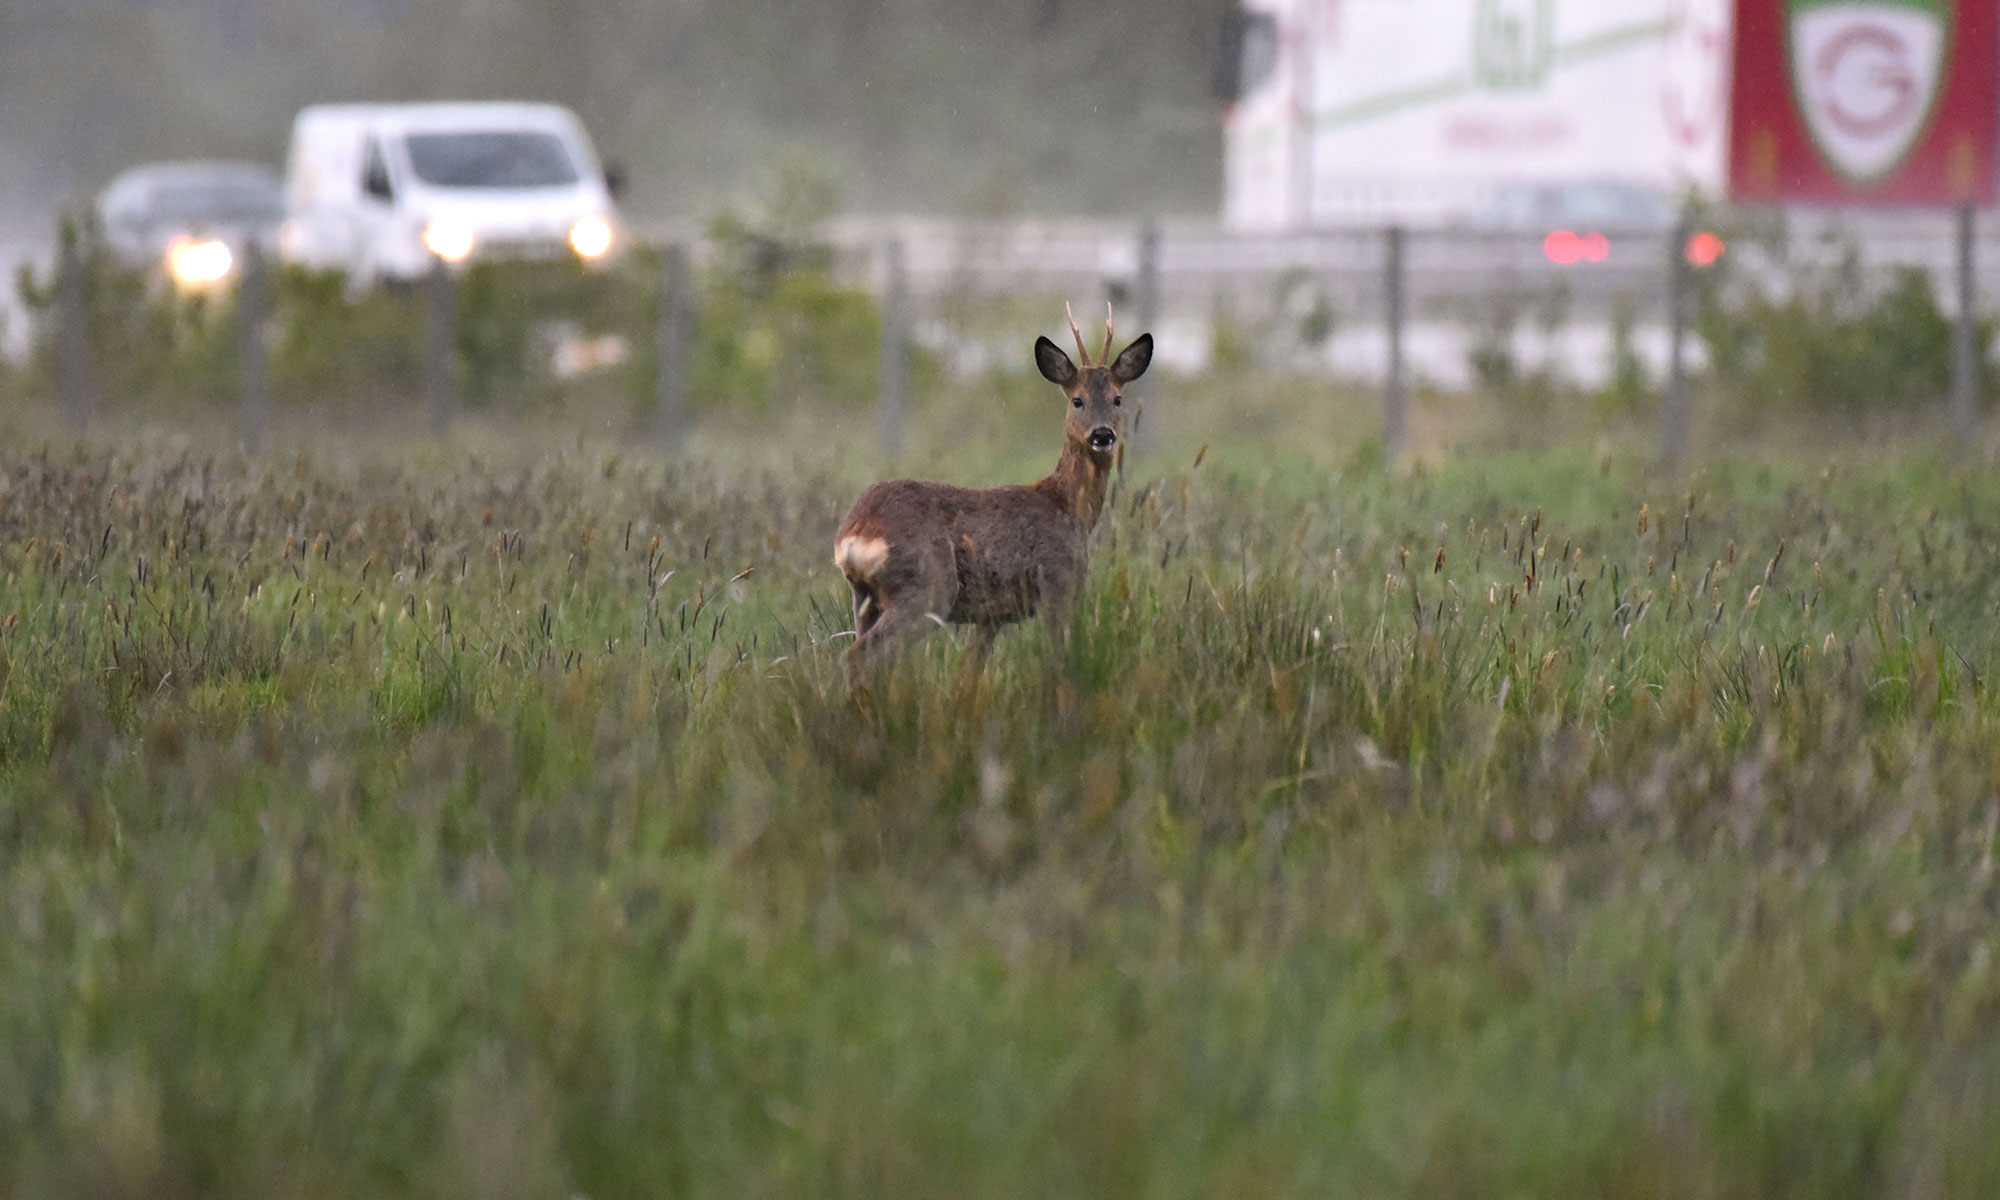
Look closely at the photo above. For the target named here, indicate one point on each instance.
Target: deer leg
(975, 655)
(906, 612)
(867, 610)
(1055, 588)
(900, 624)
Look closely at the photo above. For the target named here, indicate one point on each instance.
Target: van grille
(524, 247)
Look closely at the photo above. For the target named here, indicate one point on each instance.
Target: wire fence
(1386, 306)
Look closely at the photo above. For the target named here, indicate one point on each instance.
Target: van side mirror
(614, 178)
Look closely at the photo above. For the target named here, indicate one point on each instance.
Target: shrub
(1823, 339)
(1628, 388)
(798, 336)
(149, 342)
(327, 344)
(1495, 362)
(773, 325)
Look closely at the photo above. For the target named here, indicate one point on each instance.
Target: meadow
(489, 818)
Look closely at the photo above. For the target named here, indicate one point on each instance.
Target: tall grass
(419, 824)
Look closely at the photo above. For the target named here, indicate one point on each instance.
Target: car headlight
(198, 262)
(449, 240)
(591, 237)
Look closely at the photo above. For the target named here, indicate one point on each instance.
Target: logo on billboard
(1867, 74)
(1513, 43)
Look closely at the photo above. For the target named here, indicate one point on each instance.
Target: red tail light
(1564, 247)
(1704, 248)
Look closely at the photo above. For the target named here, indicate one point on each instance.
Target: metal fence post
(1965, 348)
(250, 312)
(440, 375)
(895, 348)
(1676, 415)
(670, 376)
(1144, 435)
(1394, 398)
(75, 387)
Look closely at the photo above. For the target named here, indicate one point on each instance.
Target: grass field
(492, 822)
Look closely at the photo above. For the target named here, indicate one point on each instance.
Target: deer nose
(1103, 438)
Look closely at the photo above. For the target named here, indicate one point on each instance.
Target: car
(192, 219)
(1578, 223)
(384, 191)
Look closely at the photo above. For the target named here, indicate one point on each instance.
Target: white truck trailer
(1431, 111)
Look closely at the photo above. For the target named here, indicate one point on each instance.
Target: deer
(920, 555)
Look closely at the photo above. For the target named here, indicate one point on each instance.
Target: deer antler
(1104, 356)
(1078, 334)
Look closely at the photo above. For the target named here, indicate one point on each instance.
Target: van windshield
(491, 159)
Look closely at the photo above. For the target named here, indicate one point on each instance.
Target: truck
(1449, 111)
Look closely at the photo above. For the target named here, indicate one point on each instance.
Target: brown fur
(918, 555)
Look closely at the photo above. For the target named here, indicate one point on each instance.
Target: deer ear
(1056, 366)
(1133, 360)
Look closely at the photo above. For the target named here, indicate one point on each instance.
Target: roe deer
(919, 554)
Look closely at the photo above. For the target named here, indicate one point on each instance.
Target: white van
(382, 190)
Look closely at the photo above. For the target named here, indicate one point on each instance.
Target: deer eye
(1117, 401)
(1076, 402)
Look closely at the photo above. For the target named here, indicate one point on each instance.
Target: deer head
(1095, 390)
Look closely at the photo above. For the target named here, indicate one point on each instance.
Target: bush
(512, 315)
(148, 341)
(801, 337)
(156, 346)
(328, 345)
(1628, 388)
(1523, 391)
(773, 325)
(1828, 341)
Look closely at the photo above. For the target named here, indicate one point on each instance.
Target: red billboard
(1865, 102)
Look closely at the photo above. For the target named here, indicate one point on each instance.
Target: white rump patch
(860, 557)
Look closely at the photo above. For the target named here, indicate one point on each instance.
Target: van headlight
(449, 240)
(199, 262)
(591, 237)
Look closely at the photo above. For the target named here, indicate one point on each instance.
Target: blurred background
(945, 106)
(1416, 225)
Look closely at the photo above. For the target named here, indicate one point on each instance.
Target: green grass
(416, 823)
